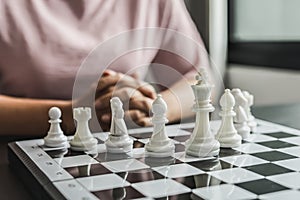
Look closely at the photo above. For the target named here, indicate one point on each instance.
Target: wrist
(67, 124)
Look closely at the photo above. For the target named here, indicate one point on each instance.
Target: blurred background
(255, 44)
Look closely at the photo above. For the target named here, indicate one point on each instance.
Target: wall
(269, 86)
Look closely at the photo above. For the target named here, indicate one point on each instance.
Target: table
(12, 188)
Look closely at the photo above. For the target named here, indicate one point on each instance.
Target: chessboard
(265, 166)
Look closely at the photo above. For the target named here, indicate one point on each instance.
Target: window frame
(275, 54)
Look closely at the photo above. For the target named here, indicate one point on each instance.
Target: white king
(202, 143)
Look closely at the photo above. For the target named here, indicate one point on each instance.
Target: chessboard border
(41, 187)
(35, 181)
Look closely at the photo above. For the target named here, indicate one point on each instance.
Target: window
(265, 33)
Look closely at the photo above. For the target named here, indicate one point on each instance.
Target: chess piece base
(203, 148)
(119, 144)
(83, 145)
(160, 149)
(229, 141)
(56, 141)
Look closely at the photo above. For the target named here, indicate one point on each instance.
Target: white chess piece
(55, 137)
(251, 119)
(118, 140)
(83, 139)
(160, 145)
(227, 135)
(202, 142)
(240, 120)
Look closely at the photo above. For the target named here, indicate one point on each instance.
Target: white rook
(83, 139)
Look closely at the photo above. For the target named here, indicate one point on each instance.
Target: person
(42, 46)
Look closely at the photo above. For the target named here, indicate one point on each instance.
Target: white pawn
(55, 137)
(251, 119)
(160, 145)
(83, 139)
(227, 134)
(118, 140)
(240, 120)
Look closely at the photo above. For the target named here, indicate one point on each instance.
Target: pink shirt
(43, 43)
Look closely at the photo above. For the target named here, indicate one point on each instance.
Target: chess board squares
(102, 182)
(224, 191)
(141, 175)
(124, 165)
(268, 169)
(71, 189)
(141, 135)
(292, 164)
(295, 151)
(261, 186)
(251, 148)
(106, 156)
(159, 162)
(235, 175)
(178, 170)
(182, 157)
(243, 160)
(101, 137)
(277, 144)
(290, 180)
(224, 152)
(181, 139)
(280, 135)
(285, 194)
(207, 165)
(73, 161)
(259, 138)
(160, 188)
(198, 181)
(292, 140)
(273, 156)
(119, 193)
(87, 170)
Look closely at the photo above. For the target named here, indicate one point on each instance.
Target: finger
(124, 94)
(120, 80)
(148, 90)
(134, 117)
(141, 103)
(108, 80)
(108, 72)
(146, 121)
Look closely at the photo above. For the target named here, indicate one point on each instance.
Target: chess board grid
(241, 169)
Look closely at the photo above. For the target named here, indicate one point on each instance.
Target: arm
(29, 117)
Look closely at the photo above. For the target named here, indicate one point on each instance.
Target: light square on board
(102, 182)
(293, 164)
(178, 170)
(235, 175)
(292, 140)
(259, 138)
(251, 148)
(225, 191)
(290, 180)
(160, 188)
(124, 165)
(243, 160)
(294, 151)
(75, 161)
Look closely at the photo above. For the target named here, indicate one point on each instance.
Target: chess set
(237, 157)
